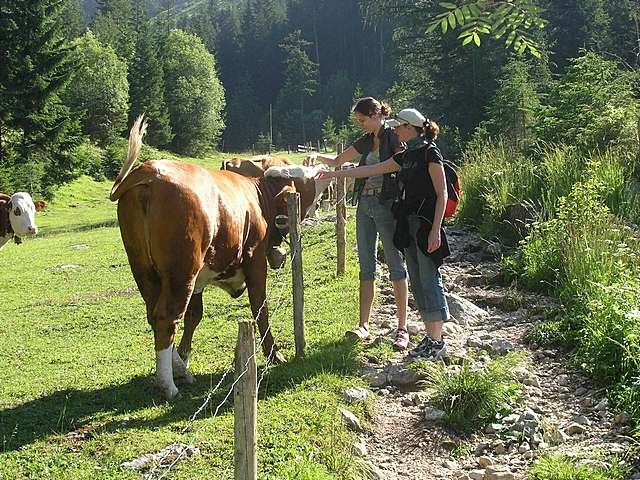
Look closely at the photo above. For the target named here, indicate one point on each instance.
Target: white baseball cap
(408, 115)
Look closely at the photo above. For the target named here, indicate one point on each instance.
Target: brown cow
(184, 227)
(17, 217)
(254, 166)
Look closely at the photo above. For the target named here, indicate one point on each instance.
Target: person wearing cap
(419, 210)
(374, 195)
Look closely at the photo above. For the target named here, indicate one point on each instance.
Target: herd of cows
(185, 227)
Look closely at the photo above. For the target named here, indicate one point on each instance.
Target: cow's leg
(256, 278)
(191, 320)
(167, 312)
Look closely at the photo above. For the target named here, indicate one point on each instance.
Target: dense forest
(238, 75)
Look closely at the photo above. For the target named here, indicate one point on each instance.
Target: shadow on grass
(73, 410)
(84, 227)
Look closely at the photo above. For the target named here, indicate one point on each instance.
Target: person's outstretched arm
(348, 155)
(381, 168)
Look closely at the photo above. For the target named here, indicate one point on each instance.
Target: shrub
(469, 397)
(559, 468)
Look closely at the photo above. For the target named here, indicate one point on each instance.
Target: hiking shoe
(429, 349)
(401, 340)
(424, 345)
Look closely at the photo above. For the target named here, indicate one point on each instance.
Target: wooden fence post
(245, 403)
(341, 223)
(293, 207)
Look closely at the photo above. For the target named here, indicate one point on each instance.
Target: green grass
(471, 396)
(559, 468)
(76, 387)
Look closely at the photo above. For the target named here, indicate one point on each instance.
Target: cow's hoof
(170, 392)
(184, 377)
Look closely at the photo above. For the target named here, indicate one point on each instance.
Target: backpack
(454, 192)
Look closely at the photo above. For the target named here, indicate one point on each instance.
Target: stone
(401, 376)
(360, 448)
(493, 428)
(452, 329)
(555, 437)
(499, 448)
(350, 420)
(463, 310)
(476, 474)
(499, 476)
(528, 455)
(377, 379)
(576, 429)
(524, 447)
(164, 457)
(587, 402)
(602, 405)
(450, 465)
(563, 380)
(484, 461)
(501, 346)
(622, 418)
(432, 414)
(355, 395)
(581, 419)
(481, 448)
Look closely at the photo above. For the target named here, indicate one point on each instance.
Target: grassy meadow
(76, 388)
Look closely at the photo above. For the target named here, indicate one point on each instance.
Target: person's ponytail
(431, 129)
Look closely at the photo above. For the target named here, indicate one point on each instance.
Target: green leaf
(484, 30)
(467, 40)
(459, 16)
(476, 39)
(510, 39)
(444, 25)
(500, 32)
(466, 33)
(448, 5)
(452, 20)
(432, 27)
(466, 11)
(475, 10)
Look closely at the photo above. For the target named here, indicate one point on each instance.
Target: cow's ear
(281, 197)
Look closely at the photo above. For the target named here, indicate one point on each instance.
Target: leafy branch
(511, 20)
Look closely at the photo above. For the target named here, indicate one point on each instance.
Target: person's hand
(433, 241)
(310, 160)
(324, 174)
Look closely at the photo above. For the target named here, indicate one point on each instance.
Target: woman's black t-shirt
(414, 181)
(418, 197)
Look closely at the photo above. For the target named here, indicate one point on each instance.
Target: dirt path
(561, 412)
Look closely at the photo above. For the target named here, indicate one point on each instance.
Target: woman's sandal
(359, 334)
(402, 339)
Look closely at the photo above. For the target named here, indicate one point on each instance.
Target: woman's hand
(324, 174)
(434, 240)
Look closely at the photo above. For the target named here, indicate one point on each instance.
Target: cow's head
(302, 180)
(21, 212)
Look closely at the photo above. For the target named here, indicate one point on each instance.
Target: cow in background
(17, 217)
(254, 166)
(185, 227)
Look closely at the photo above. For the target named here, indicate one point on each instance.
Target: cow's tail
(138, 130)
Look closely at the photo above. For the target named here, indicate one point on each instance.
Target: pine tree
(300, 75)
(112, 26)
(146, 82)
(36, 71)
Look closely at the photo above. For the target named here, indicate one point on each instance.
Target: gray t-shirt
(375, 181)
